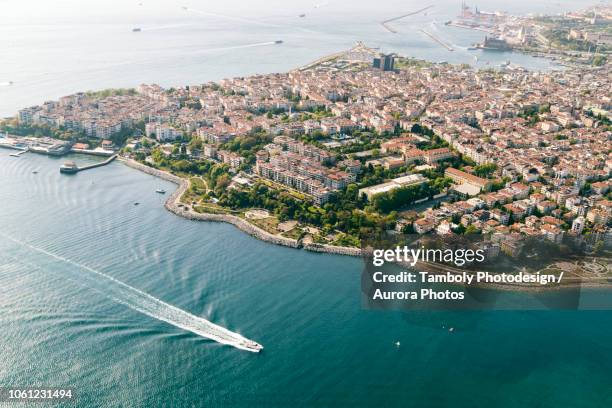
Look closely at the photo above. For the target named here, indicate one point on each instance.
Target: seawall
(173, 202)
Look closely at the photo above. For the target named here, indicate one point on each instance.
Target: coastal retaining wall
(153, 172)
(331, 249)
(172, 205)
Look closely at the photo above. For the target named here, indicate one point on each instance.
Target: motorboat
(250, 345)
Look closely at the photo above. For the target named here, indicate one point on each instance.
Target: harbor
(51, 147)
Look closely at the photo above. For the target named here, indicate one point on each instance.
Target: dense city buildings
(511, 150)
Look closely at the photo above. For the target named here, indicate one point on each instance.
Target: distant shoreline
(173, 205)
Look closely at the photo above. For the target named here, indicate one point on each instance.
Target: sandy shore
(174, 205)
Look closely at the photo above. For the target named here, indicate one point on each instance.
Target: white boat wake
(236, 47)
(144, 303)
(165, 27)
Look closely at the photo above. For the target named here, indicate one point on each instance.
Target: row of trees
(400, 197)
(344, 212)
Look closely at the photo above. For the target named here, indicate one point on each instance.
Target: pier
(359, 53)
(19, 153)
(386, 25)
(436, 39)
(71, 167)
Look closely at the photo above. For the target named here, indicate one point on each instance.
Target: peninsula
(363, 143)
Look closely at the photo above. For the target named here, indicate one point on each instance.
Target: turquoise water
(62, 327)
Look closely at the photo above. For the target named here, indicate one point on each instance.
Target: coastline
(173, 201)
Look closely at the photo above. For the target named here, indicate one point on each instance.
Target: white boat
(249, 345)
(160, 191)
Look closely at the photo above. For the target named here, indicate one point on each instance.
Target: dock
(19, 153)
(386, 25)
(72, 168)
(436, 39)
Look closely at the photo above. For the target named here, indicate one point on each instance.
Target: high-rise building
(578, 225)
(388, 63)
(384, 62)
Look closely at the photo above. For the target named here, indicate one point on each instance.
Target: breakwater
(332, 249)
(386, 25)
(436, 39)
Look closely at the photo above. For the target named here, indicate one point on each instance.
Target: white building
(578, 225)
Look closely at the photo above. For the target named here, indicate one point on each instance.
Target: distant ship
(136, 30)
(278, 42)
(160, 191)
(496, 44)
(302, 15)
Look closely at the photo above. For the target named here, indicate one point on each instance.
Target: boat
(250, 346)
(397, 344)
(136, 30)
(136, 203)
(35, 172)
(302, 15)
(160, 191)
(278, 42)
(69, 167)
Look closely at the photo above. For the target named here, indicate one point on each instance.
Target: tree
(471, 229)
(222, 183)
(485, 170)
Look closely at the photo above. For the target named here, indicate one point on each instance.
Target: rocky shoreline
(173, 205)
